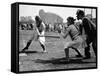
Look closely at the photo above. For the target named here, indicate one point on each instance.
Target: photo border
(17, 36)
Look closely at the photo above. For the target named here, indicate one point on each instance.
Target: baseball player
(90, 31)
(77, 41)
(40, 30)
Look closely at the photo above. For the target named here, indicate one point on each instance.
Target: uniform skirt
(78, 43)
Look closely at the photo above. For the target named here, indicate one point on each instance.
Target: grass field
(54, 59)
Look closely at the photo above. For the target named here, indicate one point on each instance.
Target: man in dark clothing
(77, 40)
(90, 31)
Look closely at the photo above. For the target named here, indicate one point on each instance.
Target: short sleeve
(66, 32)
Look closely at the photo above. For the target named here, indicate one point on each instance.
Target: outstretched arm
(64, 33)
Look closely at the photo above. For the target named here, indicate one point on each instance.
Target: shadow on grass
(28, 52)
(63, 61)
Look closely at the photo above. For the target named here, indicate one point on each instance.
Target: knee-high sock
(67, 53)
(43, 47)
(27, 46)
(87, 51)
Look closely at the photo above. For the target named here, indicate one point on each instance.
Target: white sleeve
(43, 32)
(43, 25)
(37, 31)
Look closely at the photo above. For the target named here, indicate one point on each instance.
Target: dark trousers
(87, 49)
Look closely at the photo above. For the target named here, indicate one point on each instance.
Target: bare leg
(79, 54)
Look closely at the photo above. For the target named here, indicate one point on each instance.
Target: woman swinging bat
(40, 30)
(77, 40)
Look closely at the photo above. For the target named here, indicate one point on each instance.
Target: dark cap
(37, 18)
(71, 19)
(80, 12)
